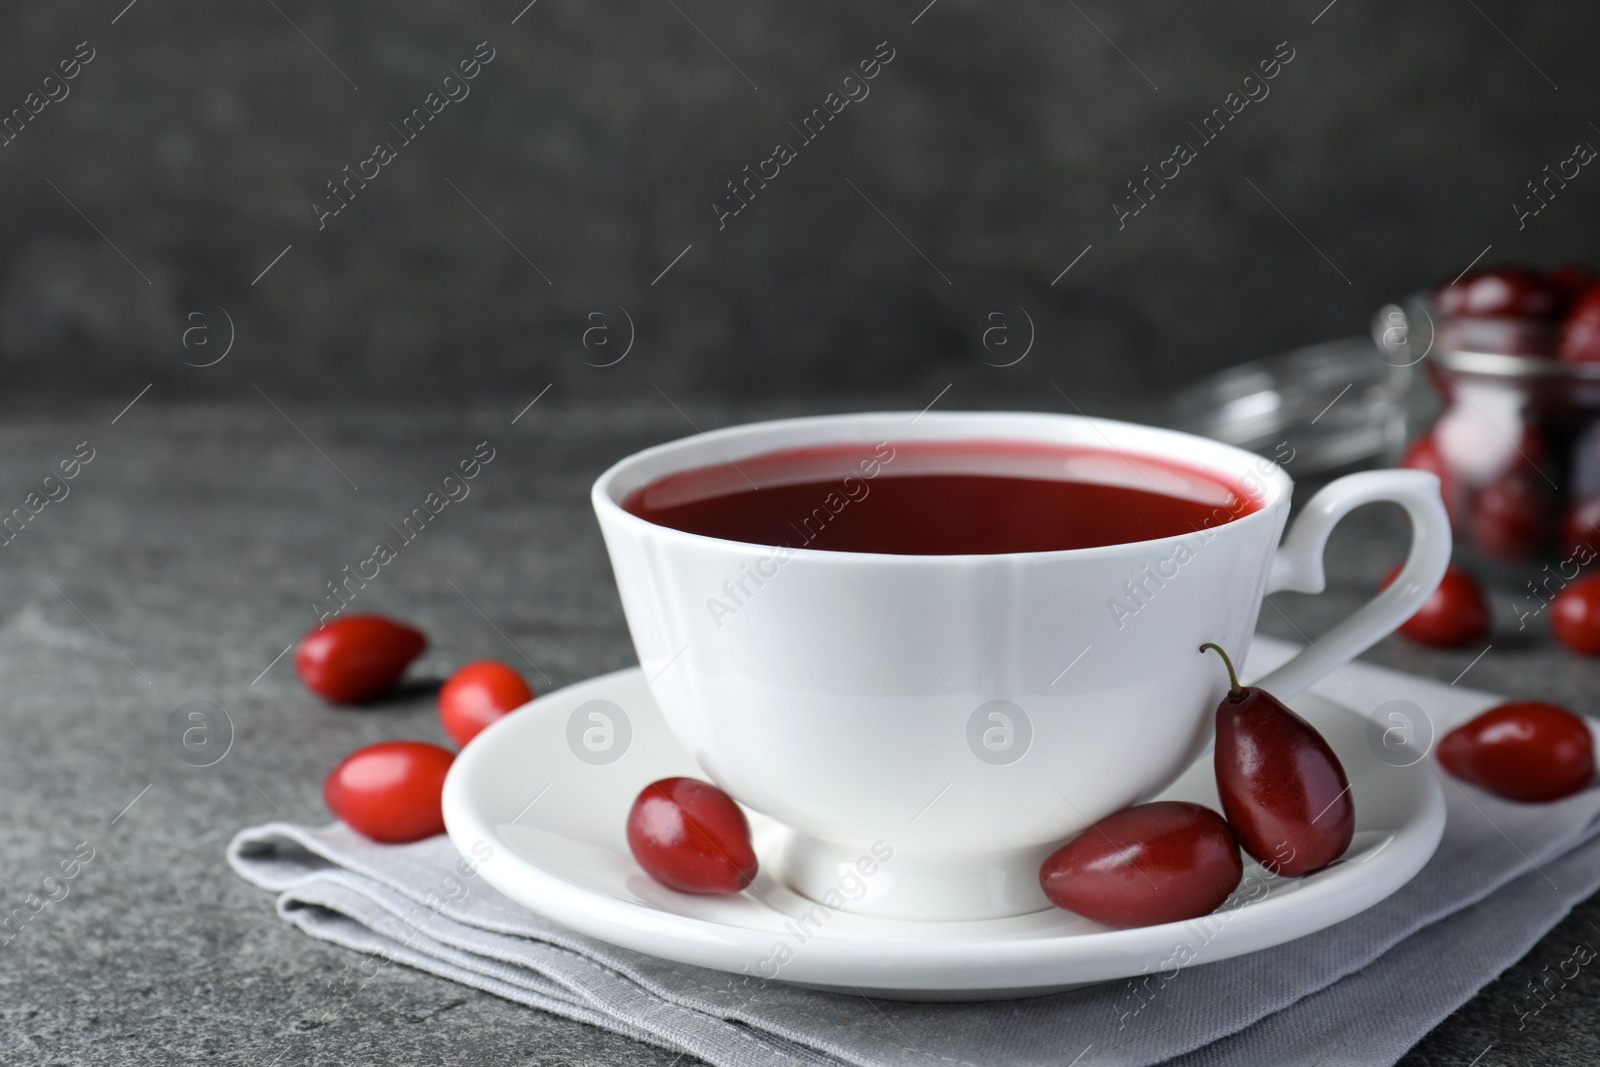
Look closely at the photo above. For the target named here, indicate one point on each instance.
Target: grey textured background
(596, 142)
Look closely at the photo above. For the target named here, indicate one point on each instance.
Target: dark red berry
(1582, 527)
(1154, 863)
(1513, 517)
(1506, 291)
(1580, 335)
(1571, 279)
(1425, 455)
(1283, 789)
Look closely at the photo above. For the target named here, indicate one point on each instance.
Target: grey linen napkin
(1360, 992)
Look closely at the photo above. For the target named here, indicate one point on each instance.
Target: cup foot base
(886, 881)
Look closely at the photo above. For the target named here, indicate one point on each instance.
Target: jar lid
(1314, 409)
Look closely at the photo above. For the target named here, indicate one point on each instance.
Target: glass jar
(1517, 444)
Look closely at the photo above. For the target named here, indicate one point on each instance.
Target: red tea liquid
(942, 498)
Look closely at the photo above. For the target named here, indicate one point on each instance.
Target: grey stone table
(184, 559)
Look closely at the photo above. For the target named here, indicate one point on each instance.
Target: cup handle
(1298, 567)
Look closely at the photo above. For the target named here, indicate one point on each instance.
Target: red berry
(477, 695)
(1456, 614)
(1580, 336)
(356, 658)
(390, 791)
(1282, 786)
(1512, 517)
(1524, 750)
(1575, 615)
(1570, 279)
(1154, 863)
(1424, 455)
(1582, 528)
(690, 836)
(1508, 291)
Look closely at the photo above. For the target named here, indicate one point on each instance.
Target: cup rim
(609, 508)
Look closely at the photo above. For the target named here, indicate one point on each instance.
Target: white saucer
(555, 822)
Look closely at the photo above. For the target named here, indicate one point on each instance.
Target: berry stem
(1232, 677)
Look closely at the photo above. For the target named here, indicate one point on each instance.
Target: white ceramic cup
(969, 713)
